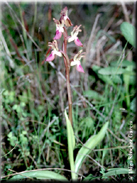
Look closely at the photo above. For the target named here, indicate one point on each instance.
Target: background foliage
(34, 95)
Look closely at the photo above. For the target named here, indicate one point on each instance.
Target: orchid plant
(61, 25)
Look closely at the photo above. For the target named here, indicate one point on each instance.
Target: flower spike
(51, 57)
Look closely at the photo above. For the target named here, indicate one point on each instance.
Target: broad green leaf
(93, 94)
(42, 174)
(124, 63)
(111, 71)
(88, 146)
(128, 31)
(104, 78)
(117, 171)
(116, 79)
(71, 145)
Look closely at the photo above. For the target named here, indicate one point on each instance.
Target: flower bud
(64, 17)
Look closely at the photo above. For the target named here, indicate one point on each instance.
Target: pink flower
(59, 29)
(55, 51)
(58, 34)
(77, 42)
(50, 57)
(76, 61)
(74, 37)
(79, 67)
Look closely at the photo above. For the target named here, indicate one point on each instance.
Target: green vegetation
(35, 130)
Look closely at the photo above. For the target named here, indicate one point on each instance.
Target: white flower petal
(75, 62)
(57, 53)
(72, 38)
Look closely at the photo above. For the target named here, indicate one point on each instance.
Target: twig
(109, 24)
(111, 50)
(116, 136)
(134, 14)
(118, 147)
(87, 56)
(7, 50)
(96, 162)
(33, 161)
(124, 136)
(91, 36)
(10, 150)
(125, 12)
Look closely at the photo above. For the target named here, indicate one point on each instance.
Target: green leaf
(42, 174)
(107, 80)
(70, 132)
(117, 171)
(71, 145)
(88, 146)
(128, 31)
(13, 139)
(124, 63)
(111, 71)
(15, 107)
(104, 78)
(116, 79)
(93, 94)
